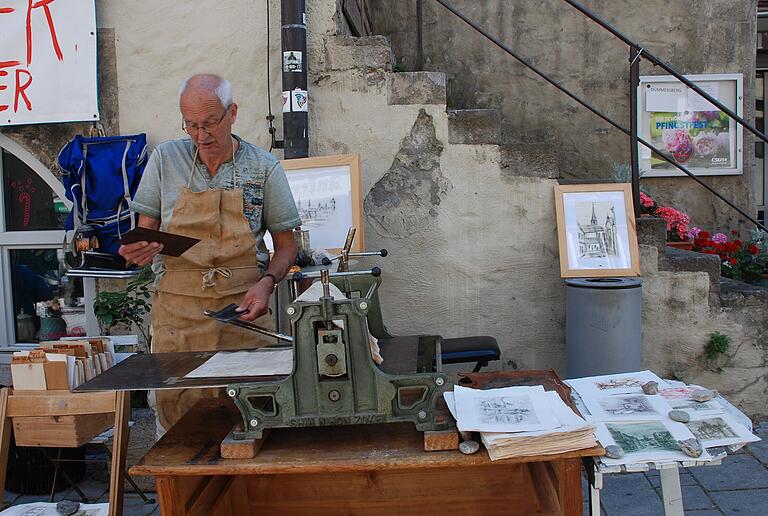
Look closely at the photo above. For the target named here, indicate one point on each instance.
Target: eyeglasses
(208, 127)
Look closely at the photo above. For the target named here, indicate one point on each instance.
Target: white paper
(646, 441)
(695, 408)
(52, 48)
(509, 409)
(568, 421)
(697, 103)
(665, 97)
(623, 383)
(720, 430)
(627, 407)
(252, 362)
(49, 509)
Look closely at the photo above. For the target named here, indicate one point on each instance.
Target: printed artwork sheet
(626, 407)
(252, 362)
(646, 441)
(623, 383)
(720, 430)
(509, 409)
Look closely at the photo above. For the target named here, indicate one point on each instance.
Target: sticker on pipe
(292, 61)
(299, 100)
(286, 102)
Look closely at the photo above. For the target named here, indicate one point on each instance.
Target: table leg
(595, 485)
(670, 488)
(5, 441)
(119, 449)
(569, 486)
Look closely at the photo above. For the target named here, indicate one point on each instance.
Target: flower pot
(760, 280)
(686, 246)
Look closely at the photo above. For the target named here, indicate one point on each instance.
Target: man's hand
(256, 300)
(140, 253)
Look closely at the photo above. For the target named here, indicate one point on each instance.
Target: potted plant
(678, 234)
(127, 307)
(739, 260)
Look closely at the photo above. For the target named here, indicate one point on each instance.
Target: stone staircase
(469, 221)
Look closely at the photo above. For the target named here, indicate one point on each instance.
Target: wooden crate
(60, 418)
(63, 418)
(59, 431)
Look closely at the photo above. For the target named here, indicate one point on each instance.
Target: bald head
(208, 84)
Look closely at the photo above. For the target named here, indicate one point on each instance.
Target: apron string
(209, 274)
(234, 165)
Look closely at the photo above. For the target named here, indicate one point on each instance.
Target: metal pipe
(634, 159)
(375, 271)
(575, 97)
(294, 62)
(667, 68)
(419, 35)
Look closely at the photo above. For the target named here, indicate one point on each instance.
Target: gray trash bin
(603, 324)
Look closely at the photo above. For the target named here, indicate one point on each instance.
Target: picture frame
(328, 194)
(597, 233)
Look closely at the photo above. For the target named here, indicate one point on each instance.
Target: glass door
(39, 301)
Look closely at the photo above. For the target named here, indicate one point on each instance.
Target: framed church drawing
(327, 191)
(596, 230)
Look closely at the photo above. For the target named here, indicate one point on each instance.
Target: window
(42, 303)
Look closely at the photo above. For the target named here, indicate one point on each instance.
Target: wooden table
(365, 469)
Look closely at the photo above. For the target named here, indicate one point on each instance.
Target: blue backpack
(101, 175)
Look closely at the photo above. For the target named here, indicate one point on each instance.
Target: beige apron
(214, 273)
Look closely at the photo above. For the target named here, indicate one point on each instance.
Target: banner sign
(47, 61)
(687, 128)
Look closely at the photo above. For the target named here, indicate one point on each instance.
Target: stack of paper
(520, 421)
(640, 423)
(61, 365)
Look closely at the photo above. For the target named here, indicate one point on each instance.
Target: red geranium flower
(753, 249)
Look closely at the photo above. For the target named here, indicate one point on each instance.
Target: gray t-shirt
(268, 202)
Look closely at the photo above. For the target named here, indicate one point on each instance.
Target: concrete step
(416, 88)
(348, 53)
(474, 126)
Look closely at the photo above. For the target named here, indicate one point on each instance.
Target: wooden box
(59, 418)
(59, 431)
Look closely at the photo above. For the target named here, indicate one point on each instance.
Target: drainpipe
(295, 95)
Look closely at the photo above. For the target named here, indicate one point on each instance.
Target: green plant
(399, 67)
(622, 173)
(127, 307)
(718, 344)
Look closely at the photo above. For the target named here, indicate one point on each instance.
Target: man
(227, 192)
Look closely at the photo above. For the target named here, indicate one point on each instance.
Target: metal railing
(636, 53)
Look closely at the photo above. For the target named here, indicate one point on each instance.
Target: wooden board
(192, 448)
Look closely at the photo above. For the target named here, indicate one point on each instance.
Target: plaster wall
(716, 36)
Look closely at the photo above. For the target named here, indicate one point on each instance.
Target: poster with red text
(47, 61)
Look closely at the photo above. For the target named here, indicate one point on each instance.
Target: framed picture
(687, 128)
(596, 230)
(327, 191)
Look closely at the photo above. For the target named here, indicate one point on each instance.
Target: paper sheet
(49, 509)
(509, 409)
(720, 430)
(252, 362)
(627, 407)
(646, 441)
(624, 383)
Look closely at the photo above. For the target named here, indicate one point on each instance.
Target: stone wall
(716, 36)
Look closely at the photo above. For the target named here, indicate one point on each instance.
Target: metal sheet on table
(163, 371)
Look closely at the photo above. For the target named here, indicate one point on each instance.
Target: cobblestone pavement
(737, 487)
